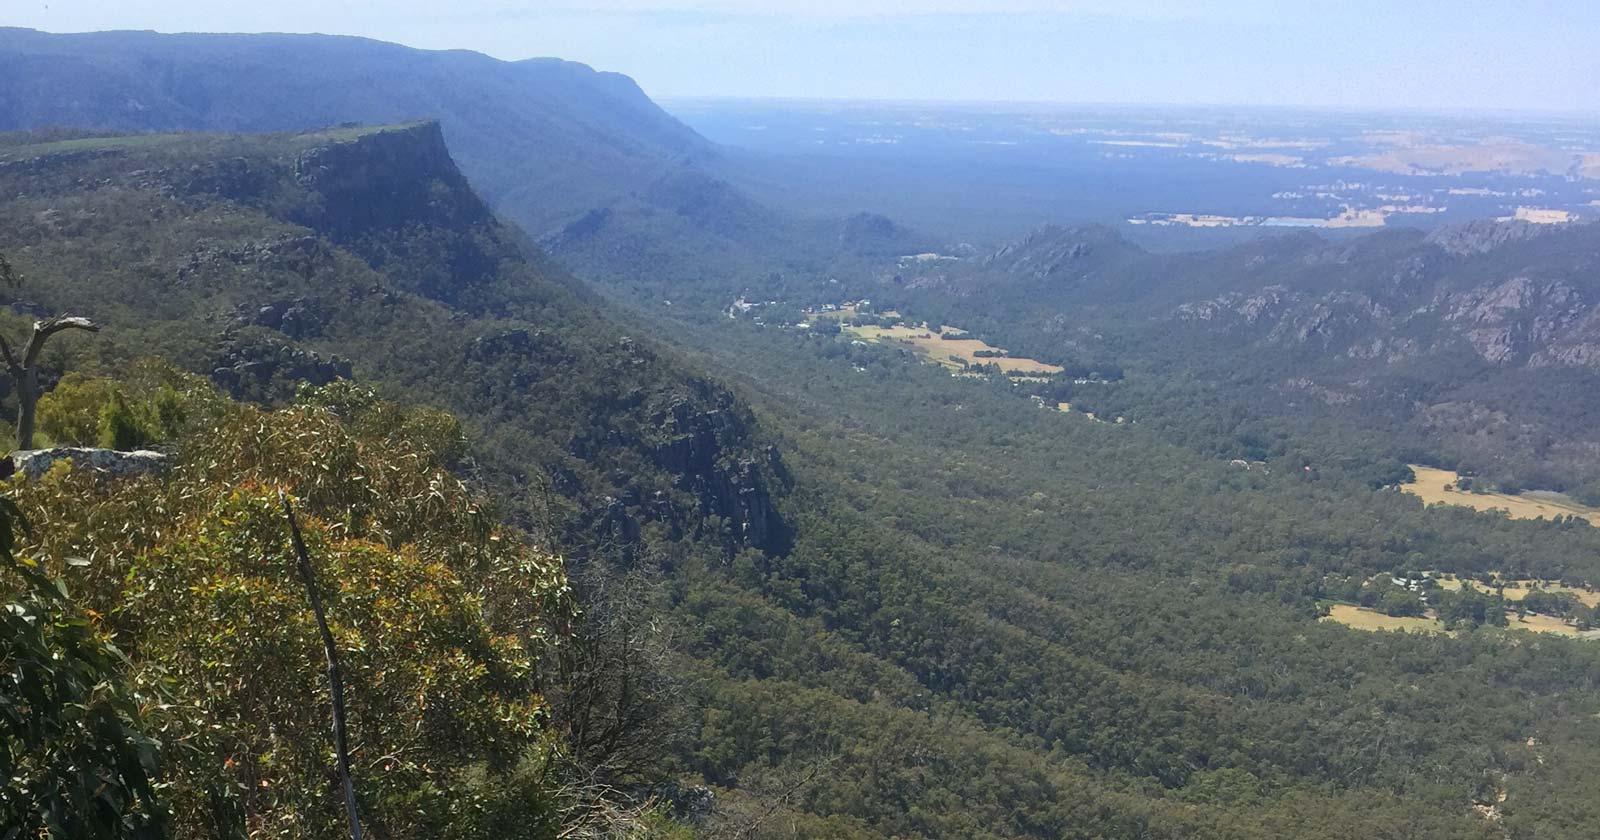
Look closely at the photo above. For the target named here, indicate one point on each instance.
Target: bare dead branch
(783, 798)
(335, 681)
(42, 330)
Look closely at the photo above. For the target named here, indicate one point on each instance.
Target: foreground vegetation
(442, 616)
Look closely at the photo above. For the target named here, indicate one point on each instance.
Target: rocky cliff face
(707, 444)
(378, 180)
(1483, 338)
(1483, 235)
(363, 253)
(1508, 294)
(1519, 321)
(1055, 253)
(650, 426)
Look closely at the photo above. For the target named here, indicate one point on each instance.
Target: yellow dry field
(950, 352)
(1430, 483)
(1515, 157)
(1546, 624)
(1362, 618)
(1516, 590)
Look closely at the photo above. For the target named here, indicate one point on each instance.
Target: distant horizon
(1054, 104)
(1428, 56)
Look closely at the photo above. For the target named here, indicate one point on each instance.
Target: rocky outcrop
(1521, 320)
(519, 343)
(299, 255)
(1237, 305)
(1322, 393)
(108, 463)
(707, 449)
(1481, 236)
(1337, 318)
(295, 317)
(395, 198)
(1385, 348)
(1507, 321)
(1053, 251)
(1581, 354)
(247, 370)
(236, 178)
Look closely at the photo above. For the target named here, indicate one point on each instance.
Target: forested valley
(603, 561)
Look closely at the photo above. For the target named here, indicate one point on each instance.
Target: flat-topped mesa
(387, 177)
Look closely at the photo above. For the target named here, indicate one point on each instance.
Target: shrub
(73, 759)
(155, 403)
(119, 426)
(70, 414)
(440, 615)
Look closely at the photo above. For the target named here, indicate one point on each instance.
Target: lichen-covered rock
(111, 463)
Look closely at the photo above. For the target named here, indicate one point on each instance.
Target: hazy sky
(1434, 54)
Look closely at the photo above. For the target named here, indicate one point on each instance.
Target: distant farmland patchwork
(955, 353)
(1364, 618)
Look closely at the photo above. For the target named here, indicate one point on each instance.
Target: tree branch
(781, 799)
(11, 359)
(42, 330)
(335, 682)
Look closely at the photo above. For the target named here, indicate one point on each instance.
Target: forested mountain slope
(263, 261)
(1474, 345)
(544, 139)
(1083, 610)
(273, 263)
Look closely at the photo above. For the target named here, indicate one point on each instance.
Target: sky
(1468, 55)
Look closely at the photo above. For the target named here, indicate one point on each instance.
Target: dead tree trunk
(25, 370)
(335, 682)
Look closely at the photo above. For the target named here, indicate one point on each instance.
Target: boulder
(107, 462)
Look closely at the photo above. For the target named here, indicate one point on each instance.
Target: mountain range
(579, 159)
(1473, 345)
